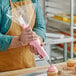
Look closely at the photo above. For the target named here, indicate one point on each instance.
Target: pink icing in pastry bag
(35, 43)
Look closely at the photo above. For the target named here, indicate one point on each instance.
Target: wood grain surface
(59, 66)
(24, 71)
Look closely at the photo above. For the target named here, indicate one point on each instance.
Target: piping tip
(49, 62)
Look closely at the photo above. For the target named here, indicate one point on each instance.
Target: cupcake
(52, 71)
(71, 63)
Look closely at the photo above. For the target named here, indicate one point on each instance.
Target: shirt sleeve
(5, 40)
(39, 27)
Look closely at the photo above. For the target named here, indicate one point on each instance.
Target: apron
(21, 57)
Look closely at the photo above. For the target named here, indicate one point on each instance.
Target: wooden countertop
(24, 71)
(30, 70)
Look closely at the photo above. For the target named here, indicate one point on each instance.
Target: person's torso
(20, 57)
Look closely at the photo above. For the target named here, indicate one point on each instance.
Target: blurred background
(60, 18)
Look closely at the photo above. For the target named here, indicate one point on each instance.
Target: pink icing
(40, 49)
(52, 68)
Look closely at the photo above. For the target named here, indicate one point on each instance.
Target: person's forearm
(15, 42)
(5, 41)
(40, 26)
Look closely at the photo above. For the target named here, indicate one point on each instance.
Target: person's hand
(34, 50)
(27, 36)
(41, 41)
